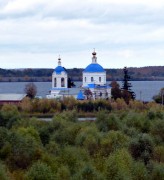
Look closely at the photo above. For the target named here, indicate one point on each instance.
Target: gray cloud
(73, 28)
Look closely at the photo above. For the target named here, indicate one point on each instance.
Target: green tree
(139, 171)
(142, 148)
(158, 172)
(40, 171)
(3, 173)
(127, 86)
(115, 91)
(118, 165)
(24, 150)
(9, 114)
(160, 97)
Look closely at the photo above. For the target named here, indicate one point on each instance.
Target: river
(144, 90)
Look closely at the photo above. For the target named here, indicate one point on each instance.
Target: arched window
(91, 79)
(54, 82)
(62, 82)
(85, 79)
(99, 79)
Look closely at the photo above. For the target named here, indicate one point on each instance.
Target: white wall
(58, 80)
(95, 78)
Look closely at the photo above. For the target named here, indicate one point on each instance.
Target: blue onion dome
(59, 69)
(94, 66)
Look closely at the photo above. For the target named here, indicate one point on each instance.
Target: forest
(125, 142)
(149, 73)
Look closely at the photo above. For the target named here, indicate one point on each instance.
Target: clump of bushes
(119, 144)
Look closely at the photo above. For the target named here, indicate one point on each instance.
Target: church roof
(59, 69)
(94, 67)
(80, 96)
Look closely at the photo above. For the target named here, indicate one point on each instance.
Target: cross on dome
(94, 58)
(59, 61)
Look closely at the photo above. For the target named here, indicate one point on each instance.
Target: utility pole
(140, 95)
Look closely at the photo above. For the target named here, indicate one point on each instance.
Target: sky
(33, 33)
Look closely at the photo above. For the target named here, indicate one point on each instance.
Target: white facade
(94, 73)
(59, 80)
(96, 78)
(59, 77)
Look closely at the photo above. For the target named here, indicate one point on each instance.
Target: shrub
(24, 150)
(137, 121)
(63, 173)
(157, 130)
(3, 173)
(9, 115)
(139, 171)
(142, 147)
(40, 171)
(158, 154)
(88, 172)
(118, 165)
(158, 172)
(106, 122)
(113, 141)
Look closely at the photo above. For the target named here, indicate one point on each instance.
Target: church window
(91, 79)
(62, 82)
(99, 79)
(54, 82)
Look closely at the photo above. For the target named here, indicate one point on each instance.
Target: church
(94, 85)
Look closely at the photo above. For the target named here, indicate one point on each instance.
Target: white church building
(94, 85)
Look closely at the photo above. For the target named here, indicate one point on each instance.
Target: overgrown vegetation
(126, 141)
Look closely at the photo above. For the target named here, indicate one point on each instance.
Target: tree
(40, 171)
(160, 97)
(31, 90)
(142, 148)
(115, 91)
(70, 83)
(3, 173)
(88, 93)
(126, 85)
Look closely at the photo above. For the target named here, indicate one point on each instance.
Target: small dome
(93, 68)
(59, 70)
(80, 96)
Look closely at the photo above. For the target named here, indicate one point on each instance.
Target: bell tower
(59, 77)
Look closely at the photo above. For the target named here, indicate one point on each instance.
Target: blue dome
(59, 69)
(94, 67)
(80, 96)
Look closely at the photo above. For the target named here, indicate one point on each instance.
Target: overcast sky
(124, 33)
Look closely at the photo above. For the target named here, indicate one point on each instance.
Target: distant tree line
(143, 73)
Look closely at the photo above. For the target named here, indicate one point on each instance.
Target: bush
(3, 173)
(113, 141)
(88, 172)
(142, 147)
(139, 171)
(157, 130)
(158, 172)
(9, 115)
(158, 154)
(40, 171)
(118, 165)
(23, 151)
(106, 122)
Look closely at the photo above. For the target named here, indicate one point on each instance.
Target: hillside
(137, 74)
